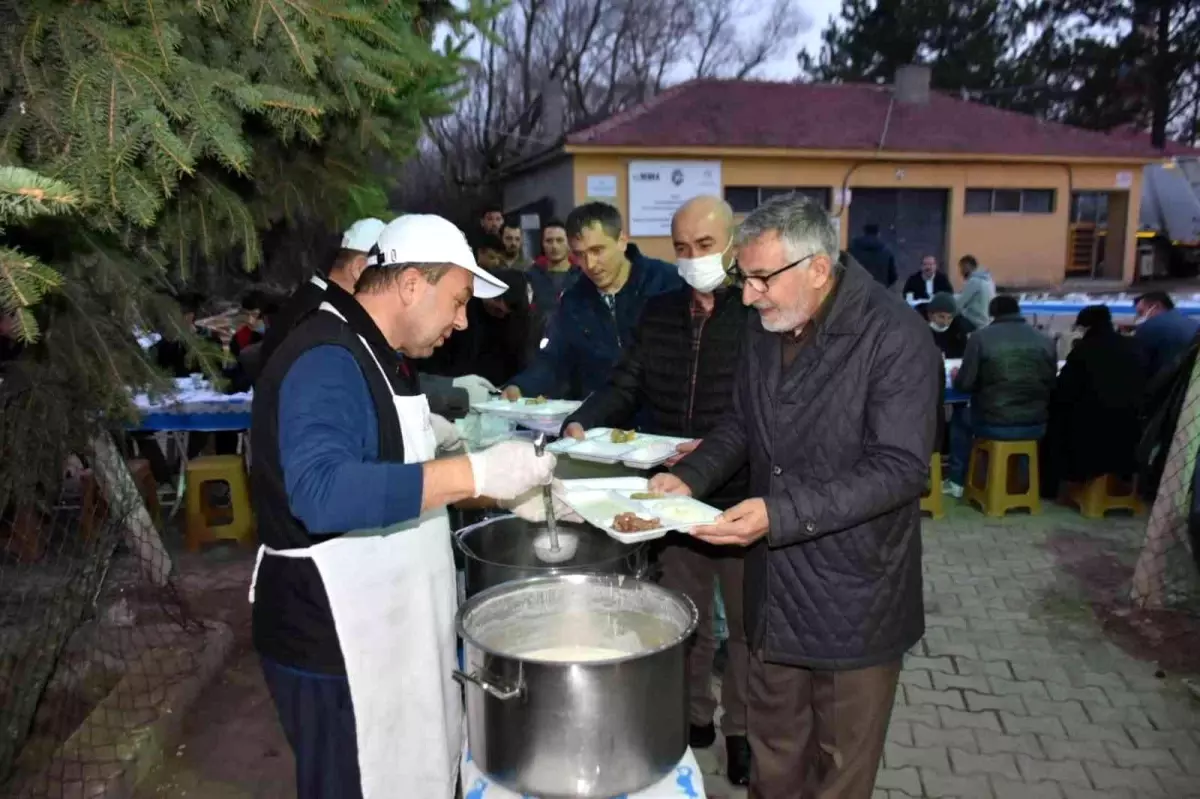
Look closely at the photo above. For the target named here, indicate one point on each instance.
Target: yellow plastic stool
(989, 472)
(1102, 494)
(931, 501)
(209, 520)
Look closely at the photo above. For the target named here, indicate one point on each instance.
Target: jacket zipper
(612, 310)
(691, 406)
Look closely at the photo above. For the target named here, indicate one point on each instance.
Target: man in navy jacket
(597, 316)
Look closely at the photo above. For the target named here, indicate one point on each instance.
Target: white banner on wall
(602, 186)
(658, 188)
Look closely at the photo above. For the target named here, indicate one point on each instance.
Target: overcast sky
(818, 11)
(784, 67)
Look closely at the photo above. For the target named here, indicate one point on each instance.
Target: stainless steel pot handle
(499, 692)
(460, 536)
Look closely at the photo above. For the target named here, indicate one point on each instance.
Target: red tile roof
(817, 116)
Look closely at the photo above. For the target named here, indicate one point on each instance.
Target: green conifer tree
(185, 128)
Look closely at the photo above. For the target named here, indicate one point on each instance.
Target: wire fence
(96, 638)
(1166, 573)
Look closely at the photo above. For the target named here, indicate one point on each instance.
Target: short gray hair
(802, 224)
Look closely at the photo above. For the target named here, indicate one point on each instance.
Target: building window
(1009, 201)
(744, 199)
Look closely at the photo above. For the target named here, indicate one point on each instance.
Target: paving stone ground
(1030, 681)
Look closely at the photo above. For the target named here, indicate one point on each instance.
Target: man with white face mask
(834, 412)
(677, 375)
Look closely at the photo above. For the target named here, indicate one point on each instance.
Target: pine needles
(140, 139)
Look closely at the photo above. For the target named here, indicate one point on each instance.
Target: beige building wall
(1019, 249)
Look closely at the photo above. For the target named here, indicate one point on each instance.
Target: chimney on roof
(912, 84)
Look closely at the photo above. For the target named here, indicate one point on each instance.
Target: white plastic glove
(479, 389)
(446, 433)
(509, 469)
(531, 506)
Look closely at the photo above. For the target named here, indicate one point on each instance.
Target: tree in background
(968, 44)
(24, 280)
(551, 66)
(1100, 64)
(186, 129)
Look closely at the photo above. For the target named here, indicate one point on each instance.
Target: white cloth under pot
(393, 595)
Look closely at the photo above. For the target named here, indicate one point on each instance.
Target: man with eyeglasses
(834, 410)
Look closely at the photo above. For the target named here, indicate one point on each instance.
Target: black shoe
(701, 736)
(737, 768)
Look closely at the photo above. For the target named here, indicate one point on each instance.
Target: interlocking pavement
(1032, 679)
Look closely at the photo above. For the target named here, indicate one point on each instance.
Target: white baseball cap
(362, 235)
(430, 239)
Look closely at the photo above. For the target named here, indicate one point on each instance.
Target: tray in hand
(600, 501)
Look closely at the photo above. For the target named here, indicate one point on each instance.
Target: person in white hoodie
(977, 292)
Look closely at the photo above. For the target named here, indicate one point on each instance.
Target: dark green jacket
(1009, 370)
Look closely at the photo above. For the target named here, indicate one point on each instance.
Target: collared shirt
(794, 342)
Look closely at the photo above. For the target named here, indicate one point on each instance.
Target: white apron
(393, 594)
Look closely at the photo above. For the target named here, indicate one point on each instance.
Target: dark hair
(344, 259)
(252, 300)
(1156, 298)
(511, 222)
(189, 301)
(269, 306)
(488, 241)
(969, 260)
(1003, 305)
(591, 214)
(554, 222)
(871, 229)
(1095, 317)
(376, 279)
(490, 208)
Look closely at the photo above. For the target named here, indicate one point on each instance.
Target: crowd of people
(812, 395)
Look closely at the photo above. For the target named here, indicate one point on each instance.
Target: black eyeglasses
(761, 283)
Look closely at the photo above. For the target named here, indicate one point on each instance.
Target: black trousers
(318, 718)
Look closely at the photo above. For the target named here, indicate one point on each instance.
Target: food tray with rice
(538, 408)
(626, 509)
(631, 448)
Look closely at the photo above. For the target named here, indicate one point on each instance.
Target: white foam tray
(644, 452)
(551, 409)
(599, 500)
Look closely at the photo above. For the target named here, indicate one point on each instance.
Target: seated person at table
(950, 328)
(251, 331)
(1094, 426)
(1162, 331)
(596, 316)
(1008, 370)
(926, 282)
(172, 356)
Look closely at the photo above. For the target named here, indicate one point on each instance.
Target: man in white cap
(449, 398)
(354, 591)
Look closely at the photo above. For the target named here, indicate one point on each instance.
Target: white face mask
(704, 273)
(939, 328)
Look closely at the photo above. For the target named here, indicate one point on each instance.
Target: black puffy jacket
(671, 389)
(839, 445)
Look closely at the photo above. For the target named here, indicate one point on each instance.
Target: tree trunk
(124, 499)
(1160, 87)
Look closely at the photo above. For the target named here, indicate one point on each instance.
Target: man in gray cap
(950, 329)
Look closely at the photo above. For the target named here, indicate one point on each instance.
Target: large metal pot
(500, 550)
(543, 717)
